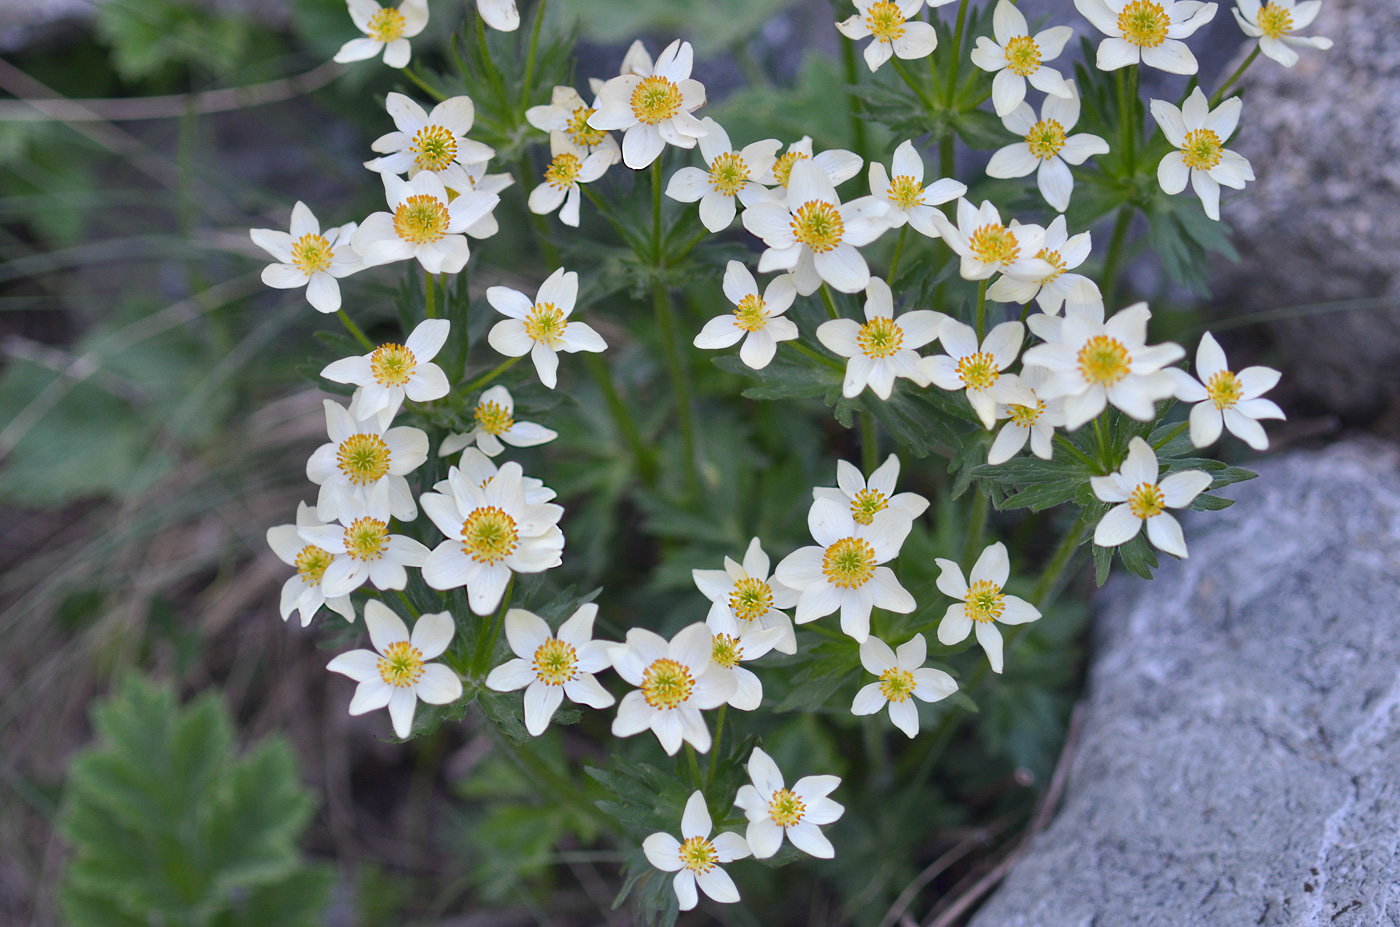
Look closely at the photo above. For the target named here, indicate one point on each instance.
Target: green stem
(829, 361)
(714, 746)
(909, 79)
(1101, 437)
(550, 784)
(642, 456)
(848, 62)
(898, 250)
(869, 442)
(1230, 82)
(694, 767)
(530, 55)
(492, 374)
(483, 659)
(428, 296)
(354, 330)
(946, 159)
(656, 211)
(680, 381)
(1108, 285)
(1073, 448)
(977, 529)
(1051, 574)
(537, 222)
(1157, 446)
(1126, 84)
(412, 74)
(829, 302)
(981, 310)
(952, 88)
(407, 604)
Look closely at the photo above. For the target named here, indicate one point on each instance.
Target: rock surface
(1241, 738)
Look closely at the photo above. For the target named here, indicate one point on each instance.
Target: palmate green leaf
(924, 421)
(1185, 238)
(790, 375)
(645, 799)
(655, 901)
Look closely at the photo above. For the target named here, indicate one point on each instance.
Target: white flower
(364, 549)
(696, 860)
(1034, 420)
(496, 427)
(896, 28)
(492, 531)
(654, 110)
(731, 173)
(1144, 499)
(1226, 398)
(905, 196)
(743, 597)
(902, 677)
(399, 674)
(1146, 30)
(478, 469)
(561, 179)
(1060, 287)
(302, 592)
(675, 681)
(773, 810)
(386, 28)
(866, 500)
(726, 652)
(1199, 134)
(476, 178)
(986, 246)
(360, 455)
(565, 118)
(1016, 56)
(392, 371)
(435, 141)
(757, 319)
(308, 258)
(423, 224)
(1048, 149)
(1098, 362)
(839, 164)
(844, 570)
(978, 370)
(550, 666)
(1274, 23)
(541, 329)
(883, 348)
(499, 14)
(983, 602)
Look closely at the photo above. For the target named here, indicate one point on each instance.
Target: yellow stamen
(782, 168)
(555, 662)
(1225, 389)
(698, 855)
(1026, 416)
(1046, 138)
(726, 651)
(885, 20)
(978, 371)
(994, 244)
(984, 601)
(366, 539)
(866, 504)
(906, 192)
(655, 99)
(880, 337)
(751, 314)
(489, 535)
(546, 323)
(392, 365)
(751, 599)
(1146, 501)
(1022, 55)
(896, 684)
(434, 148)
(818, 225)
(1144, 24)
(786, 809)
(1053, 259)
(1202, 149)
(386, 25)
(728, 173)
(402, 665)
(1103, 361)
(849, 563)
(667, 684)
(312, 562)
(1275, 21)
(421, 219)
(580, 132)
(311, 253)
(363, 458)
(492, 418)
(563, 170)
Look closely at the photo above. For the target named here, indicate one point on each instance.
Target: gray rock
(1239, 760)
(1322, 223)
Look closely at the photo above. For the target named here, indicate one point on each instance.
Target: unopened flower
(1223, 397)
(309, 258)
(302, 592)
(884, 347)
(496, 427)
(423, 224)
(902, 677)
(499, 14)
(727, 651)
(866, 500)
(904, 194)
(492, 532)
(435, 141)
(844, 571)
(1143, 499)
(1060, 288)
(774, 810)
(675, 681)
(730, 174)
(1048, 149)
(838, 164)
(1035, 420)
(1199, 135)
(696, 858)
(541, 328)
(386, 29)
(895, 27)
(361, 454)
(653, 111)
(743, 597)
(1016, 56)
(983, 602)
(1148, 31)
(549, 666)
(391, 372)
(1274, 23)
(397, 674)
(565, 118)
(758, 320)
(977, 370)
(364, 550)
(478, 469)
(986, 246)
(561, 183)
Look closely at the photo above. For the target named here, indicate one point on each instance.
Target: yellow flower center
(849, 563)
(1147, 500)
(563, 170)
(984, 601)
(546, 323)
(994, 244)
(866, 504)
(489, 535)
(1022, 55)
(726, 651)
(880, 337)
(366, 539)
(433, 148)
(580, 132)
(896, 684)
(493, 418)
(1053, 259)
(1225, 389)
(729, 173)
(1026, 416)
(363, 458)
(312, 562)
(556, 662)
(782, 168)
(750, 314)
(1103, 361)
(818, 226)
(667, 684)
(1046, 138)
(698, 855)
(655, 99)
(885, 20)
(1144, 24)
(386, 26)
(978, 371)
(392, 365)
(785, 809)
(906, 192)
(1274, 21)
(421, 219)
(311, 253)
(1202, 149)
(750, 599)
(402, 665)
